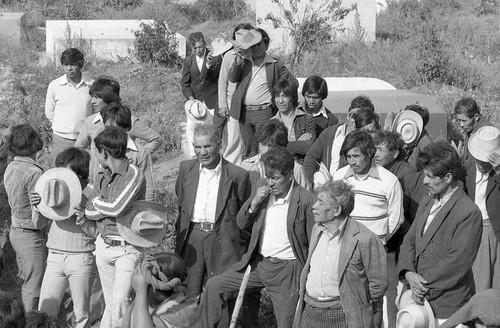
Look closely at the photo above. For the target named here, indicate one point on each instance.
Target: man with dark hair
(270, 134)
(116, 187)
(256, 73)
(418, 146)
(379, 197)
(469, 118)
(390, 154)
(200, 75)
(11, 312)
(210, 192)
(439, 249)
(340, 265)
(68, 101)
(279, 213)
(324, 154)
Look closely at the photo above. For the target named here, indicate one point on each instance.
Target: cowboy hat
(195, 110)
(220, 46)
(409, 125)
(483, 142)
(144, 224)
(60, 191)
(247, 38)
(412, 315)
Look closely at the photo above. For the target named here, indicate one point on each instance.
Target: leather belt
(276, 260)
(114, 242)
(204, 226)
(251, 108)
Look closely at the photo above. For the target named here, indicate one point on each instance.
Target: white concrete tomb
(12, 26)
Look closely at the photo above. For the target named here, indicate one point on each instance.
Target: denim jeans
(31, 254)
(77, 269)
(116, 265)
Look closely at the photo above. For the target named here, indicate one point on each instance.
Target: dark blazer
(241, 74)
(492, 196)
(445, 253)
(234, 189)
(362, 274)
(203, 85)
(300, 221)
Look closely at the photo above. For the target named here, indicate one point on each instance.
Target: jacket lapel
(292, 209)
(224, 188)
(192, 187)
(470, 182)
(347, 247)
(492, 183)
(420, 222)
(438, 220)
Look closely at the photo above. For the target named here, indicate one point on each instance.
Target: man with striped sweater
(116, 187)
(378, 196)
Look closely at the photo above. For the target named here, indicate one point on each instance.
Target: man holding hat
(255, 73)
(438, 251)
(483, 187)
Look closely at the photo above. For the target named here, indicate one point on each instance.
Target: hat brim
(75, 193)
(480, 149)
(406, 299)
(408, 115)
(124, 224)
(257, 38)
(189, 114)
(220, 51)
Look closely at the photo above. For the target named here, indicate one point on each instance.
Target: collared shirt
(480, 195)
(337, 144)
(274, 240)
(258, 92)
(205, 202)
(112, 195)
(378, 199)
(20, 178)
(140, 157)
(323, 278)
(67, 106)
(436, 207)
(290, 124)
(199, 60)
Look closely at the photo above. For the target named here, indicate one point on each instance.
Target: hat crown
(146, 223)
(483, 142)
(488, 133)
(55, 193)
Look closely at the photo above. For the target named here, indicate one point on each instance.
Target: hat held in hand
(483, 142)
(60, 191)
(220, 46)
(144, 224)
(196, 111)
(409, 125)
(412, 315)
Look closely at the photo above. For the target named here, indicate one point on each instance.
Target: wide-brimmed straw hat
(412, 315)
(247, 38)
(409, 125)
(60, 191)
(220, 46)
(195, 110)
(483, 142)
(144, 224)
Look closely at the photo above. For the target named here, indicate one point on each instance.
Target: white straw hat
(483, 142)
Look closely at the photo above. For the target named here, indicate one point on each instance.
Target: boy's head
(72, 56)
(24, 140)
(117, 115)
(104, 91)
(271, 133)
(11, 311)
(111, 142)
(77, 160)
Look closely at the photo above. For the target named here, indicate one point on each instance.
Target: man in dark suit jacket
(482, 184)
(346, 273)
(200, 76)
(439, 249)
(279, 214)
(210, 192)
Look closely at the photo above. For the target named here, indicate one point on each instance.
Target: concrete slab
(12, 25)
(280, 37)
(106, 39)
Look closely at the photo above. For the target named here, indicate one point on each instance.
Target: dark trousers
(280, 278)
(249, 123)
(391, 293)
(219, 123)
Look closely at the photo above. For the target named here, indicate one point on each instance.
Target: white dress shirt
(480, 195)
(205, 202)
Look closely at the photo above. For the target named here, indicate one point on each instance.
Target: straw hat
(483, 142)
(195, 110)
(411, 315)
(409, 125)
(220, 46)
(60, 191)
(144, 224)
(245, 39)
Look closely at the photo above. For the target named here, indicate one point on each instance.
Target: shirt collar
(443, 200)
(121, 169)
(216, 170)
(131, 144)
(267, 59)
(85, 79)
(298, 112)
(286, 200)
(321, 112)
(332, 234)
(97, 118)
(26, 159)
(480, 176)
(373, 172)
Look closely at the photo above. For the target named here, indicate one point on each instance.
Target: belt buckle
(207, 226)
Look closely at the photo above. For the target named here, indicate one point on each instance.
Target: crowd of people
(345, 224)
